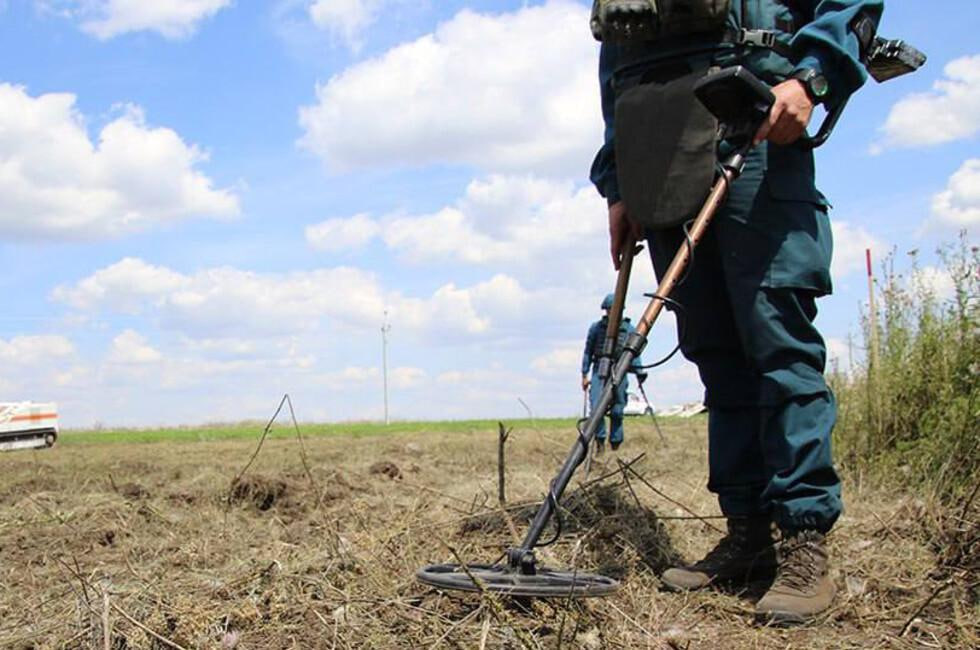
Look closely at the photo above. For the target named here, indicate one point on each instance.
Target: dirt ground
(128, 546)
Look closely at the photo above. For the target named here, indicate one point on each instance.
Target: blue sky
(207, 203)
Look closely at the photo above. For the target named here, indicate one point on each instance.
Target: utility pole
(385, 328)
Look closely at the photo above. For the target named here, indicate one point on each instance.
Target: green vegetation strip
(253, 430)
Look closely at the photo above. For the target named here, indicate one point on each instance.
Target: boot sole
(678, 589)
(756, 574)
(784, 619)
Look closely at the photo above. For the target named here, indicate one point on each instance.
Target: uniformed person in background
(592, 383)
(750, 297)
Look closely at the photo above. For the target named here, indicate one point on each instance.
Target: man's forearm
(832, 45)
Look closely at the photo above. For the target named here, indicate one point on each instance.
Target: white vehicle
(26, 425)
(636, 405)
(688, 410)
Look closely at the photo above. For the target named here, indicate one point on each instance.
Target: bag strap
(768, 39)
(759, 38)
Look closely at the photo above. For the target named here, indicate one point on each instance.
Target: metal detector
(740, 102)
(653, 414)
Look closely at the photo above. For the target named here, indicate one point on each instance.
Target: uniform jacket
(818, 32)
(597, 338)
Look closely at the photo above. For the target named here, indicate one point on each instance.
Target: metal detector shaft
(730, 171)
(634, 346)
(628, 252)
(653, 416)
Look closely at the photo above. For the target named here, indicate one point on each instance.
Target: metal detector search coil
(495, 578)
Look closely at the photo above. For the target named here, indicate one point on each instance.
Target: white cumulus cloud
(512, 91)
(342, 234)
(564, 360)
(851, 243)
(132, 348)
(231, 303)
(55, 183)
(26, 350)
(35, 367)
(106, 19)
(503, 219)
(959, 204)
(500, 220)
(935, 281)
(951, 111)
(346, 19)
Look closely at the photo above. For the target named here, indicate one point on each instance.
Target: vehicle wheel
(648, 411)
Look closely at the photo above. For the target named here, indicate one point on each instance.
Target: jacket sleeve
(829, 45)
(589, 345)
(603, 174)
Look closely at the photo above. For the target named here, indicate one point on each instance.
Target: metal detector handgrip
(741, 101)
(826, 128)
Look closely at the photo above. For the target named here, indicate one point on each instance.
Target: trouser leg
(616, 413)
(761, 361)
(595, 392)
(736, 474)
(796, 407)
(803, 485)
(709, 338)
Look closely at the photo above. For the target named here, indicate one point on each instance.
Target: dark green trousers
(750, 302)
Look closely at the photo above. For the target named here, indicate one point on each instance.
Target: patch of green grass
(284, 429)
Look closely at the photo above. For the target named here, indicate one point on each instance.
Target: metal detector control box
(737, 99)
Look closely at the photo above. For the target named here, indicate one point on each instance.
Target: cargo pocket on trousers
(797, 214)
(785, 240)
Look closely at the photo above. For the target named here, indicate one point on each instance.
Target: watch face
(819, 85)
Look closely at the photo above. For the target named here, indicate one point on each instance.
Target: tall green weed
(915, 418)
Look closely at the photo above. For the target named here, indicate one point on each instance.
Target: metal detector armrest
(893, 58)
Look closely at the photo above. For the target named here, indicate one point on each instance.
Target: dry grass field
(134, 545)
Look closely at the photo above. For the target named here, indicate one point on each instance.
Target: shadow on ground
(620, 536)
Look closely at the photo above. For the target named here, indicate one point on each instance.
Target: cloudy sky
(207, 203)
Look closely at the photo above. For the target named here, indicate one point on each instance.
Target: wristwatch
(815, 83)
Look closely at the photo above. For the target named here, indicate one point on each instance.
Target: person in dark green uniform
(750, 297)
(594, 342)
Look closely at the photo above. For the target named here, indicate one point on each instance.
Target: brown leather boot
(803, 587)
(747, 549)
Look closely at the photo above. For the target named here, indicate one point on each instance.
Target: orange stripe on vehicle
(41, 416)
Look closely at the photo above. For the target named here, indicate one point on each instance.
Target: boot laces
(799, 563)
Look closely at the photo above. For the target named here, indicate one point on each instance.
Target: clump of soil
(182, 498)
(133, 491)
(261, 492)
(386, 468)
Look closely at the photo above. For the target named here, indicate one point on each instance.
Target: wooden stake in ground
(106, 626)
(873, 352)
(502, 435)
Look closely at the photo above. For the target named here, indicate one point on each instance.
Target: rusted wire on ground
(285, 401)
